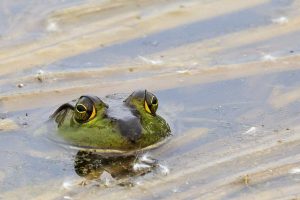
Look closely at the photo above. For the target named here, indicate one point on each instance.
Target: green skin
(104, 132)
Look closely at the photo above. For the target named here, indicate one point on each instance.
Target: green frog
(113, 125)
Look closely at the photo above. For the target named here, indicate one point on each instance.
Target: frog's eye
(151, 102)
(84, 110)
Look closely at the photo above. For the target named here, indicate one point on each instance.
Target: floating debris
(280, 20)
(20, 85)
(153, 62)
(40, 75)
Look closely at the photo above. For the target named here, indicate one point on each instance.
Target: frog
(112, 126)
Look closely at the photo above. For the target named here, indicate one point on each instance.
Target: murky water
(227, 79)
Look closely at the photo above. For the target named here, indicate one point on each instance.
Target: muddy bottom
(227, 80)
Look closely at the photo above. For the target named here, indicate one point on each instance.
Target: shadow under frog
(109, 133)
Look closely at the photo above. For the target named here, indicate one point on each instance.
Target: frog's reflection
(91, 166)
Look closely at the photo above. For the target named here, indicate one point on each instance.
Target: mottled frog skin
(118, 125)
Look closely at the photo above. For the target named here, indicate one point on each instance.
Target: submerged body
(122, 126)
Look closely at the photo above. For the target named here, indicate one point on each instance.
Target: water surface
(227, 79)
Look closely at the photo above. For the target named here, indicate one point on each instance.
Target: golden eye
(150, 103)
(84, 110)
(93, 113)
(147, 108)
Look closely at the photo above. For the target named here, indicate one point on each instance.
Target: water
(227, 80)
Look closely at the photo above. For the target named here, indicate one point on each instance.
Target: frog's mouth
(116, 152)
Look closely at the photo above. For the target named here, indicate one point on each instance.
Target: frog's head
(120, 127)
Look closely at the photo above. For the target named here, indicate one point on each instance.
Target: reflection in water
(91, 166)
